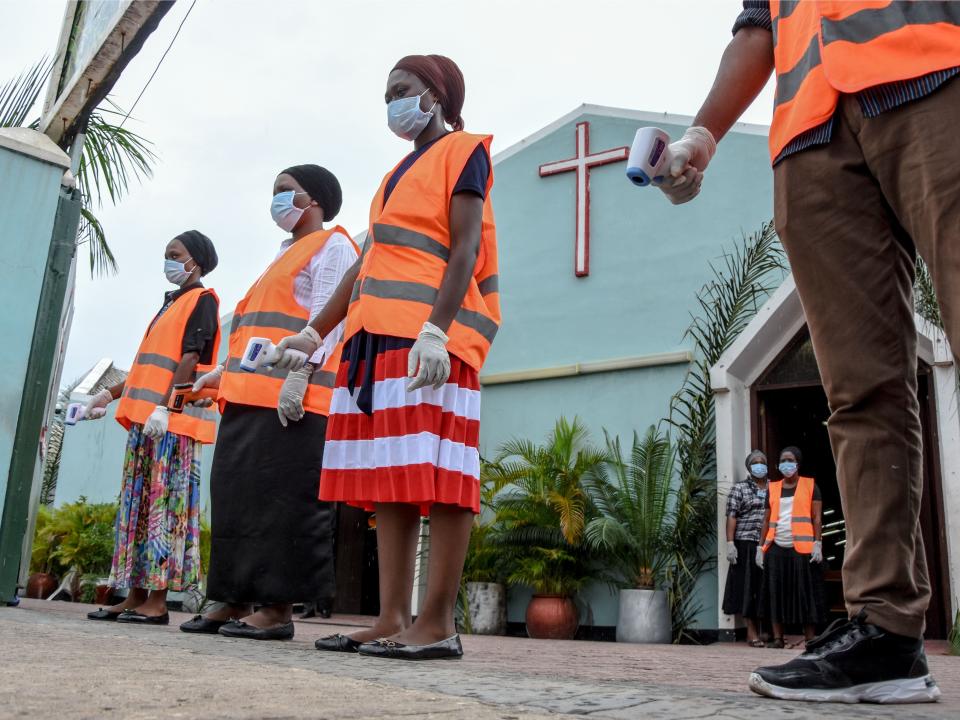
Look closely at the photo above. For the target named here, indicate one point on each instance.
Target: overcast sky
(250, 88)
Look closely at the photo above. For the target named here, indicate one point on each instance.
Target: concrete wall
(648, 260)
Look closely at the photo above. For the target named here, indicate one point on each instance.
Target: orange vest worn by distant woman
(822, 49)
(801, 522)
(407, 250)
(270, 310)
(151, 376)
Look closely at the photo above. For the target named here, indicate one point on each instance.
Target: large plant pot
(552, 617)
(40, 585)
(487, 603)
(644, 617)
(102, 594)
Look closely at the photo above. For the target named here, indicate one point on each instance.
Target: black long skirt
(272, 538)
(741, 596)
(792, 591)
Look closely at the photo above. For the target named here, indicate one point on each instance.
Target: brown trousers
(851, 215)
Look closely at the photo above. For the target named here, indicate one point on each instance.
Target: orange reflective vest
(407, 249)
(270, 310)
(151, 376)
(822, 49)
(801, 520)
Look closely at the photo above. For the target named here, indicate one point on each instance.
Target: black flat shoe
(136, 618)
(337, 643)
(449, 648)
(200, 624)
(240, 629)
(102, 614)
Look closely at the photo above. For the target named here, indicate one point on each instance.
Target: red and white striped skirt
(417, 447)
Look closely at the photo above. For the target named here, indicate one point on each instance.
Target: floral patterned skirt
(157, 535)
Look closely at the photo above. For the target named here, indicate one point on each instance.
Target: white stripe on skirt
(392, 393)
(401, 450)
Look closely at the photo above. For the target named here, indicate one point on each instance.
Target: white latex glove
(429, 354)
(731, 552)
(816, 555)
(96, 406)
(295, 350)
(156, 425)
(759, 558)
(290, 404)
(690, 156)
(209, 380)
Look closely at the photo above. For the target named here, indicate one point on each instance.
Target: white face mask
(406, 119)
(176, 272)
(285, 214)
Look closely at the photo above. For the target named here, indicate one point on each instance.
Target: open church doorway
(789, 407)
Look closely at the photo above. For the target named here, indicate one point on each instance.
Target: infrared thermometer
(260, 352)
(183, 394)
(649, 157)
(74, 414)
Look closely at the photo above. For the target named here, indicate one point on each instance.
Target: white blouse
(315, 284)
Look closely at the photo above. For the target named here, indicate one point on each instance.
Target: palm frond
(102, 261)
(113, 157)
(19, 94)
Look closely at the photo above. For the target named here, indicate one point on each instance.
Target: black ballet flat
(102, 614)
(445, 649)
(240, 629)
(135, 618)
(337, 643)
(200, 624)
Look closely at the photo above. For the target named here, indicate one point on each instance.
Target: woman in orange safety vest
(421, 308)
(791, 552)
(271, 536)
(157, 533)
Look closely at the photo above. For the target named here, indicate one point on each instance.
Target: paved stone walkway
(58, 664)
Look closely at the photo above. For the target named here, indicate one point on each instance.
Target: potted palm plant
(541, 512)
(83, 535)
(633, 528)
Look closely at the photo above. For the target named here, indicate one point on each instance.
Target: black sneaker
(852, 661)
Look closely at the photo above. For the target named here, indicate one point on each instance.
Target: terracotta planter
(40, 585)
(552, 617)
(102, 594)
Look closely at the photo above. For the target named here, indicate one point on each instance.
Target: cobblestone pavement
(58, 664)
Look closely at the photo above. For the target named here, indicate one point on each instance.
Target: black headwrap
(321, 184)
(200, 248)
(795, 451)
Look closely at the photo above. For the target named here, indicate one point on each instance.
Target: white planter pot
(487, 603)
(644, 617)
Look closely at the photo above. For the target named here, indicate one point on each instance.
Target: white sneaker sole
(913, 690)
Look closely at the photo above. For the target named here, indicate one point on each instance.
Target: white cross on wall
(582, 164)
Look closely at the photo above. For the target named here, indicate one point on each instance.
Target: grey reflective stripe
(868, 24)
(489, 285)
(788, 83)
(482, 324)
(157, 360)
(787, 7)
(199, 413)
(323, 378)
(277, 320)
(775, 31)
(773, 523)
(797, 518)
(355, 293)
(393, 235)
(235, 323)
(418, 292)
(804, 538)
(136, 393)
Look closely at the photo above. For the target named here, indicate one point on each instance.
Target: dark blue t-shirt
(473, 179)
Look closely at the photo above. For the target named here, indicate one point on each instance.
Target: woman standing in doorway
(792, 553)
(272, 538)
(422, 309)
(746, 510)
(157, 535)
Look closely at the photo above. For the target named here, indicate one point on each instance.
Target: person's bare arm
(744, 70)
(731, 528)
(117, 390)
(817, 519)
(466, 221)
(766, 527)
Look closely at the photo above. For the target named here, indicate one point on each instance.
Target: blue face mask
(758, 470)
(176, 272)
(788, 469)
(406, 119)
(284, 212)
